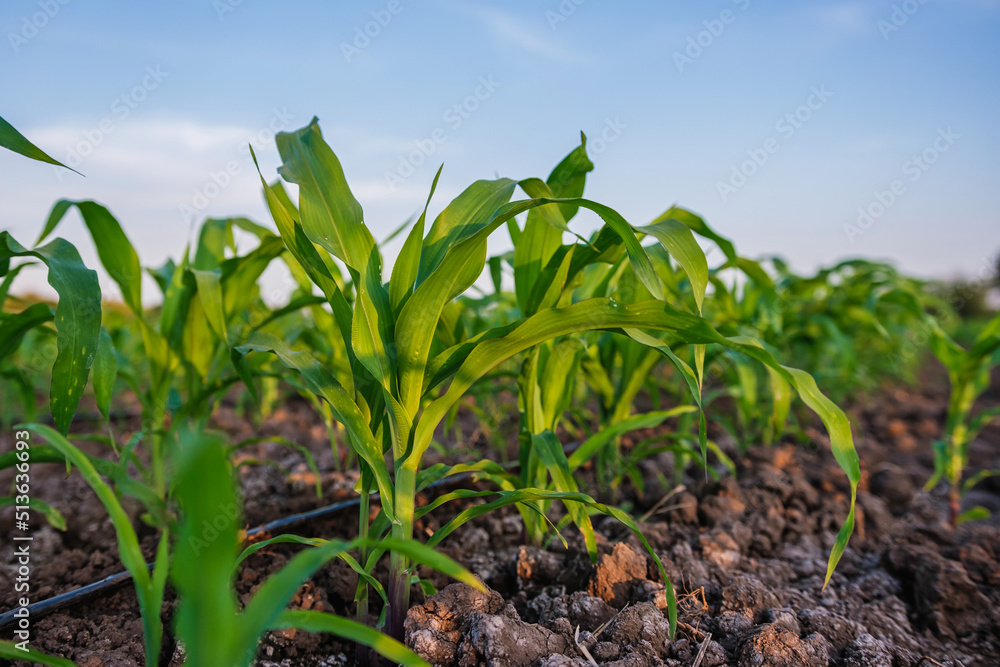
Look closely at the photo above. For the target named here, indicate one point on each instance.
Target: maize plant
(394, 398)
(969, 376)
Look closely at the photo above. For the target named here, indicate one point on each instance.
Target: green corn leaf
(407, 266)
(461, 265)
(23, 388)
(206, 618)
(781, 396)
(979, 477)
(466, 215)
(13, 326)
(105, 372)
(51, 514)
(13, 140)
(696, 224)
(9, 650)
(439, 471)
(309, 259)
(128, 543)
(120, 260)
(557, 380)
(836, 423)
(331, 216)
(372, 330)
(267, 605)
(210, 298)
(755, 272)
(569, 177)
(976, 513)
(314, 621)
(312, 542)
(215, 235)
(444, 365)
(77, 320)
(551, 281)
(8, 277)
(115, 251)
(589, 447)
(240, 274)
(679, 242)
(195, 336)
(550, 452)
(546, 325)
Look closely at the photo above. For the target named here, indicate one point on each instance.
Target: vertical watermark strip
(22, 540)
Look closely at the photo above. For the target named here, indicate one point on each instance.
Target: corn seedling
(210, 625)
(969, 376)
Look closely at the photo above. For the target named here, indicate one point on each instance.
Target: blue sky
(775, 121)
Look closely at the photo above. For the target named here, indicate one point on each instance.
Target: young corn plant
(969, 376)
(209, 622)
(185, 348)
(544, 276)
(394, 398)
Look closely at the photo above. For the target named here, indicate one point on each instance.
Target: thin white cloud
(512, 30)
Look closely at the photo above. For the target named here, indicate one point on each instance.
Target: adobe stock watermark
(121, 108)
(899, 17)
(217, 181)
(610, 132)
(223, 7)
(562, 13)
(454, 117)
(32, 25)
(786, 127)
(363, 35)
(704, 39)
(227, 514)
(913, 168)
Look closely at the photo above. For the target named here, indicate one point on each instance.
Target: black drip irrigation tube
(83, 593)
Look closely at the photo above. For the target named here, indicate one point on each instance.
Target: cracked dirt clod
(617, 574)
(434, 629)
(746, 594)
(465, 627)
(866, 651)
(638, 623)
(507, 640)
(768, 646)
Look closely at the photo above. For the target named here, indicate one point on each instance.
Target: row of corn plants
(388, 355)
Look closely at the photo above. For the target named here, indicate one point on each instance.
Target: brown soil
(747, 557)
